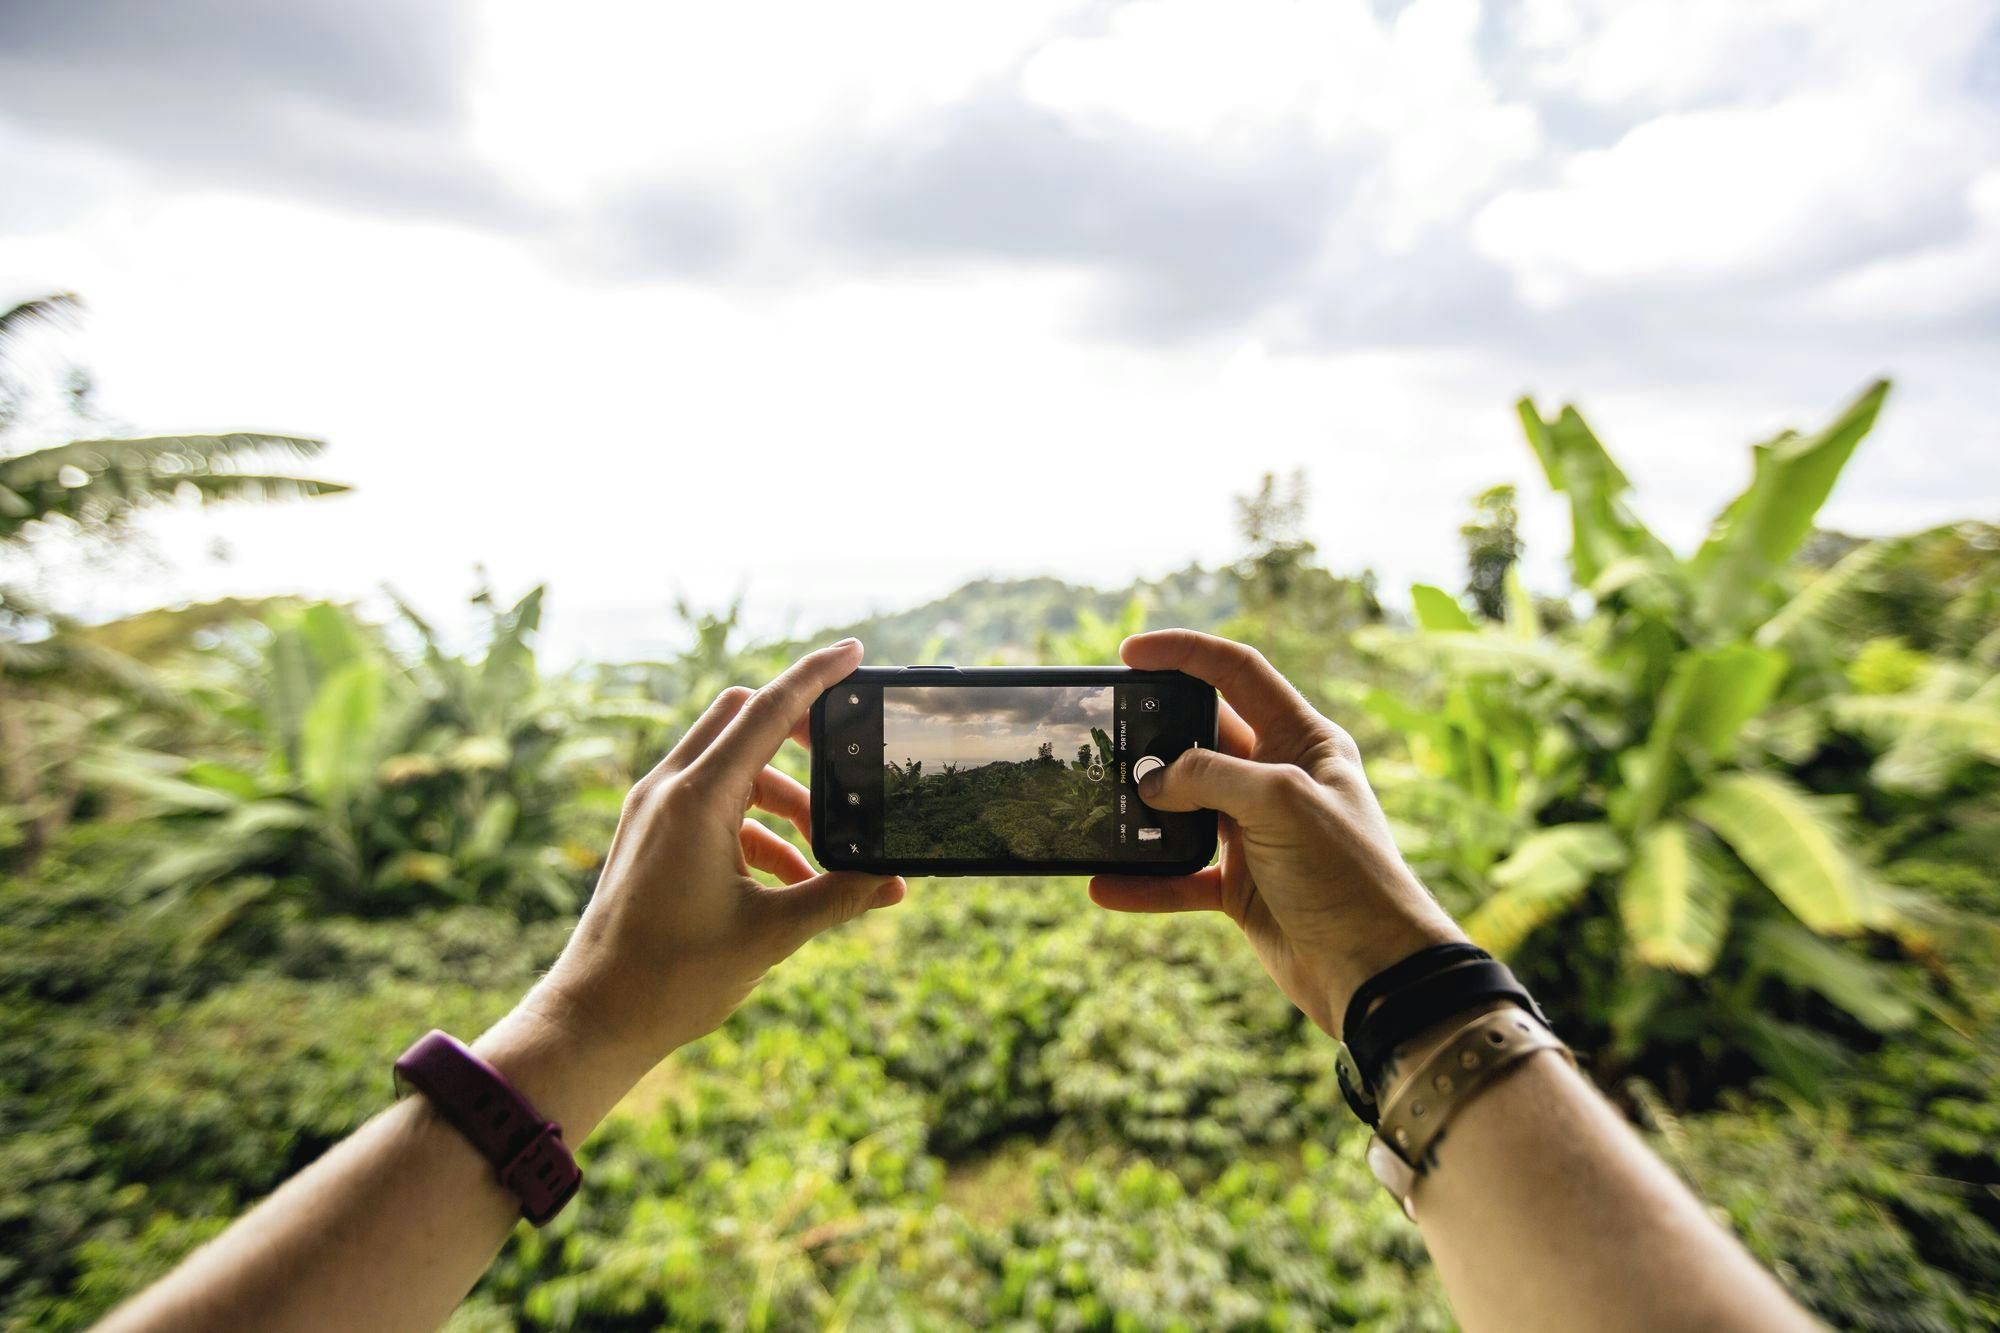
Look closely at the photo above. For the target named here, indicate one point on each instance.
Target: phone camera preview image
(1025, 776)
(983, 773)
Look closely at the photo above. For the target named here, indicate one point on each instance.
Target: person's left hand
(679, 931)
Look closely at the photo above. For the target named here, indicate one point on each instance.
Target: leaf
(1825, 600)
(1799, 1056)
(1866, 989)
(1794, 847)
(1522, 621)
(1603, 528)
(1437, 610)
(1675, 899)
(331, 637)
(1762, 529)
(1548, 871)
(223, 778)
(1931, 736)
(339, 738)
(128, 773)
(1708, 698)
(491, 829)
(98, 482)
(236, 841)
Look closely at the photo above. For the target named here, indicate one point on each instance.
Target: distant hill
(1003, 620)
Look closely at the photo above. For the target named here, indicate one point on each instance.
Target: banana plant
(378, 784)
(1629, 763)
(86, 488)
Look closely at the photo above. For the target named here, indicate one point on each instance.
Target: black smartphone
(939, 770)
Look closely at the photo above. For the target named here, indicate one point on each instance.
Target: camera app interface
(1023, 772)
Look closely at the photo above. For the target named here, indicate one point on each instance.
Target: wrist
(1378, 947)
(568, 1072)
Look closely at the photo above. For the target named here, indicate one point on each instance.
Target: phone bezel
(1202, 726)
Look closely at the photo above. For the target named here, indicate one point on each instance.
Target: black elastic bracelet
(1397, 975)
(1405, 1000)
(1427, 1002)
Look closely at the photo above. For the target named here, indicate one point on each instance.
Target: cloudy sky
(973, 726)
(838, 305)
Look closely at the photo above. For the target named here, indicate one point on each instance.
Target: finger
(1199, 892)
(1232, 733)
(784, 797)
(1262, 697)
(802, 732)
(766, 851)
(825, 901)
(706, 728)
(756, 732)
(1210, 780)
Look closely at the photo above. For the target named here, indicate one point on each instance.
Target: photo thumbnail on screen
(1019, 771)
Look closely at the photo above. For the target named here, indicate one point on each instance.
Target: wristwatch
(527, 1152)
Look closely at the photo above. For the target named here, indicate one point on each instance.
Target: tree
(85, 488)
(1272, 520)
(1492, 546)
(92, 485)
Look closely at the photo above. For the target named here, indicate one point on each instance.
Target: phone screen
(1013, 775)
(1028, 773)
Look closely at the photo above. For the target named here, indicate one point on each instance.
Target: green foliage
(371, 784)
(1797, 1181)
(1739, 819)
(1040, 808)
(1620, 802)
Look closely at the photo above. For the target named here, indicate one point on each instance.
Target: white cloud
(1750, 192)
(1406, 96)
(842, 410)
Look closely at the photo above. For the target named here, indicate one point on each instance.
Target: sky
(972, 726)
(836, 306)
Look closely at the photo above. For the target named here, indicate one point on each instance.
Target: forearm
(1545, 1211)
(391, 1228)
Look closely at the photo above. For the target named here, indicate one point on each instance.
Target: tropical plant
(377, 785)
(93, 484)
(57, 681)
(1635, 768)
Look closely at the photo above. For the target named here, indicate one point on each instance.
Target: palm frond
(41, 310)
(97, 482)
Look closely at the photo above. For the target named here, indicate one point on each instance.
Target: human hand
(679, 932)
(1308, 868)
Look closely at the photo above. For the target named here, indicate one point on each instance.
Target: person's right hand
(1308, 867)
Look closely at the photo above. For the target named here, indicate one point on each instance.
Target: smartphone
(940, 770)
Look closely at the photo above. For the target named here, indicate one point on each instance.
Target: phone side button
(952, 669)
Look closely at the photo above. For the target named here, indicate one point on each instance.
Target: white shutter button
(1146, 764)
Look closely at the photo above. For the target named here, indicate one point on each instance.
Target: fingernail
(888, 895)
(845, 642)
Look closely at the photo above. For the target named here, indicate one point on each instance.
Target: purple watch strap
(527, 1151)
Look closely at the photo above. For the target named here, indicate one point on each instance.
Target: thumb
(1210, 780)
(827, 900)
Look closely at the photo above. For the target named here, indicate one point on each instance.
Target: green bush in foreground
(846, 1152)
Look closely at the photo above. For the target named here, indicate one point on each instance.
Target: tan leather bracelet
(1416, 1111)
